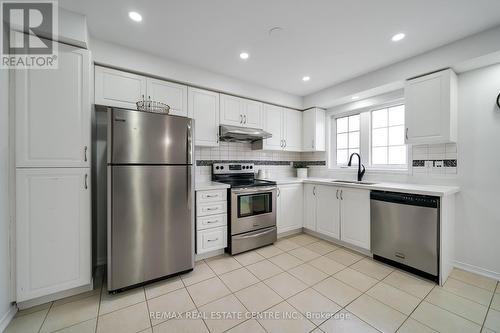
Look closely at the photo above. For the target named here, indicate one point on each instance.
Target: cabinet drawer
(211, 239)
(211, 196)
(211, 208)
(211, 221)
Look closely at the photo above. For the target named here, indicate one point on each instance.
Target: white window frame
(348, 132)
(365, 141)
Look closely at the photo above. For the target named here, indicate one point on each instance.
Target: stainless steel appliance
(252, 206)
(150, 197)
(405, 231)
(242, 134)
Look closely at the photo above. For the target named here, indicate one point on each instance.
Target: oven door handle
(255, 234)
(253, 190)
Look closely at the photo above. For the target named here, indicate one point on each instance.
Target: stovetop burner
(237, 175)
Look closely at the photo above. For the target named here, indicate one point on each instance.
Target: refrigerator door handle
(189, 153)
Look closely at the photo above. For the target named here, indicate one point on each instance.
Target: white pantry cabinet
(285, 125)
(355, 217)
(237, 111)
(204, 109)
(52, 112)
(53, 230)
(172, 94)
(338, 212)
(289, 207)
(118, 88)
(313, 130)
(431, 108)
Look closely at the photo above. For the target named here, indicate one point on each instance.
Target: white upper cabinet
(172, 94)
(241, 112)
(118, 88)
(273, 123)
(204, 109)
(355, 217)
(53, 230)
(292, 130)
(313, 130)
(290, 207)
(52, 110)
(431, 108)
(328, 211)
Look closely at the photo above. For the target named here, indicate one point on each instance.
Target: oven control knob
(217, 168)
(222, 167)
(251, 167)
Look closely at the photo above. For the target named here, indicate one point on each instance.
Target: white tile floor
(301, 284)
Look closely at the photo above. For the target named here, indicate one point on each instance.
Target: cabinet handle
(212, 240)
(406, 133)
(245, 116)
(341, 194)
(85, 184)
(337, 194)
(210, 209)
(217, 136)
(211, 195)
(312, 143)
(213, 221)
(241, 119)
(85, 153)
(314, 190)
(279, 192)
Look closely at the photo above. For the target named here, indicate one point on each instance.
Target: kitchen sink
(353, 182)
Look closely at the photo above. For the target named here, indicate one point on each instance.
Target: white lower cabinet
(211, 220)
(53, 231)
(289, 207)
(338, 212)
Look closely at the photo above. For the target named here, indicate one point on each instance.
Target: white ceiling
(328, 40)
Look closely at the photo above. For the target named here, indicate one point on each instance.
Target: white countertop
(436, 190)
(204, 186)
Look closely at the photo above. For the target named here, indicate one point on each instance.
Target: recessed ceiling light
(306, 78)
(135, 16)
(244, 55)
(398, 37)
(355, 97)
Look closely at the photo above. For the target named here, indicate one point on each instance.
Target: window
(388, 136)
(348, 137)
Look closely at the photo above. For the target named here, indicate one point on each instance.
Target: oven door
(252, 208)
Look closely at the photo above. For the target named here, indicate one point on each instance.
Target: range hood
(241, 134)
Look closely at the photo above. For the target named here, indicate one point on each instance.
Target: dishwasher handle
(406, 198)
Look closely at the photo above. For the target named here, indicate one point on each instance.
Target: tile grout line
(409, 316)
(99, 306)
(489, 307)
(45, 317)
(147, 306)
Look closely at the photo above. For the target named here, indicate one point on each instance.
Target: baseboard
(7, 318)
(54, 297)
(207, 255)
(477, 270)
(289, 233)
(337, 242)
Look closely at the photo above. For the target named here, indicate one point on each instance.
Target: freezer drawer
(406, 233)
(151, 223)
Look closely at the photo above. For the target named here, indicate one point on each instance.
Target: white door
(273, 123)
(308, 130)
(292, 130)
(252, 114)
(328, 211)
(52, 109)
(231, 110)
(172, 94)
(53, 230)
(290, 207)
(118, 88)
(204, 109)
(310, 191)
(355, 217)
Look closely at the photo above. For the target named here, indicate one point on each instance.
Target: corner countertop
(206, 186)
(424, 189)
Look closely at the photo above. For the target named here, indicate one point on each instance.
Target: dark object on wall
(498, 100)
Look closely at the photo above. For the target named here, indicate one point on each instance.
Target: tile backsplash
(435, 159)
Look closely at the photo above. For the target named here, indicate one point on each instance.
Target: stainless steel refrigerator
(150, 197)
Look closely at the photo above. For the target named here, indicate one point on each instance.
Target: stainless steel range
(252, 206)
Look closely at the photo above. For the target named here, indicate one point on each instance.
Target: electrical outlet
(439, 164)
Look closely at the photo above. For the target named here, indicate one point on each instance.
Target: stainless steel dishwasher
(405, 231)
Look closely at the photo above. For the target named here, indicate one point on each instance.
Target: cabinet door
(355, 217)
(231, 110)
(53, 230)
(204, 109)
(273, 123)
(52, 109)
(252, 114)
(313, 130)
(429, 110)
(310, 191)
(290, 209)
(118, 88)
(172, 94)
(328, 211)
(293, 130)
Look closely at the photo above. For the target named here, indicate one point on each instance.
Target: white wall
(117, 56)
(4, 197)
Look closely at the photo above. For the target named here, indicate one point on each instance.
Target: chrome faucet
(361, 173)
